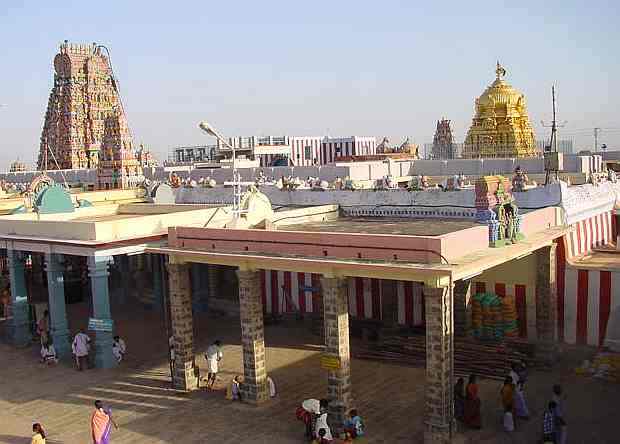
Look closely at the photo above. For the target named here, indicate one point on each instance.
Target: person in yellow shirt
(38, 436)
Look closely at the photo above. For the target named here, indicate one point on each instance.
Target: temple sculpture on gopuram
(501, 126)
(85, 123)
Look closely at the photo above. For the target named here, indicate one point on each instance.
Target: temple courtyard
(389, 397)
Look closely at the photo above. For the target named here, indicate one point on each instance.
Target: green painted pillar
(59, 326)
(102, 317)
(20, 332)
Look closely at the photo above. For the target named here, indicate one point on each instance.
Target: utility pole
(553, 143)
(596, 131)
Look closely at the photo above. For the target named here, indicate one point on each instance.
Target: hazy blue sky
(307, 68)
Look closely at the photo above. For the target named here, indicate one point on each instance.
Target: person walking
(43, 327)
(472, 416)
(81, 348)
(560, 422)
(549, 423)
(521, 410)
(101, 424)
(213, 356)
(38, 434)
(119, 348)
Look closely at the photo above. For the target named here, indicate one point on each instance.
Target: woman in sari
(101, 424)
(472, 405)
(508, 397)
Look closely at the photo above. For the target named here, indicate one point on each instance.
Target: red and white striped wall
(590, 233)
(584, 305)
(284, 291)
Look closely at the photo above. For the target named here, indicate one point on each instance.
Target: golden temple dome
(501, 126)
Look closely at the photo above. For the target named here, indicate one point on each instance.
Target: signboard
(100, 324)
(306, 288)
(330, 362)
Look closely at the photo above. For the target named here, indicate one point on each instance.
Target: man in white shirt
(213, 356)
(80, 348)
(119, 348)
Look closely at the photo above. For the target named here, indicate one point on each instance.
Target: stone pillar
(98, 273)
(439, 414)
(546, 301)
(158, 289)
(254, 386)
(181, 321)
(462, 295)
(336, 314)
(59, 326)
(20, 332)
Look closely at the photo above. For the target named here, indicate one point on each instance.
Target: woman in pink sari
(101, 424)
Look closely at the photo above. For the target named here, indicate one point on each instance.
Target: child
(509, 424)
(321, 439)
(354, 426)
(233, 391)
(48, 353)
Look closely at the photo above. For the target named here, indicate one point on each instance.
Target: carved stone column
(546, 301)
(439, 417)
(254, 388)
(462, 295)
(181, 321)
(336, 319)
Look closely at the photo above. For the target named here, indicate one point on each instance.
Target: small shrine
(495, 207)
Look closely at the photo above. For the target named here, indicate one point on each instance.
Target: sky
(338, 68)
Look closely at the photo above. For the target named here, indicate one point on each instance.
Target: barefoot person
(101, 424)
(213, 356)
(81, 348)
(472, 404)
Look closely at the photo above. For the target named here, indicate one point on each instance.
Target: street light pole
(207, 128)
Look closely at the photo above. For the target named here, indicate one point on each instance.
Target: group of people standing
(80, 346)
(514, 406)
(313, 413)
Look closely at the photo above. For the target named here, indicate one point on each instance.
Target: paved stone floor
(390, 397)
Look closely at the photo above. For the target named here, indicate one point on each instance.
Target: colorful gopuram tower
(501, 126)
(443, 142)
(85, 124)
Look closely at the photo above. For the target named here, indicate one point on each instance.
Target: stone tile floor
(389, 397)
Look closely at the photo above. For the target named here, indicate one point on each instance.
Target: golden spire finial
(500, 71)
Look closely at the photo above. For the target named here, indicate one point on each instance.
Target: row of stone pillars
(20, 330)
(253, 340)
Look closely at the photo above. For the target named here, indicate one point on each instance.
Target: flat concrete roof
(386, 225)
(90, 229)
(598, 260)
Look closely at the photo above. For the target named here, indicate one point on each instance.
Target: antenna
(553, 143)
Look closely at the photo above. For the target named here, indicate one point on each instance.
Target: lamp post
(207, 128)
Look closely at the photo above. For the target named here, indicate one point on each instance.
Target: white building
(298, 150)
